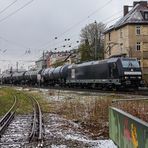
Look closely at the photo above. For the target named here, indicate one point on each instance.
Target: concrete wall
(126, 130)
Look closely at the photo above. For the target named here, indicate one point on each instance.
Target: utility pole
(100, 55)
(17, 66)
(43, 64)
(96, 38)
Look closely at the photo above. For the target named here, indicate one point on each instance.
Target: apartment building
(129, 35)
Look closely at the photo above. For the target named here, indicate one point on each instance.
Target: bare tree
(93, 33)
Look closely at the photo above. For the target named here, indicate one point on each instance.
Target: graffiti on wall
(130, 133)
(126, 131)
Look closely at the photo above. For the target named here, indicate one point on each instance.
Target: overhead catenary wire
(109, 21)
(6, 60)
(17, 10)
(78, 23)
(60, 42)
(7, 7)
(101, 21)
(33, 0)
(13, 42)
(91, 13)
(73, 26)
(54, 47)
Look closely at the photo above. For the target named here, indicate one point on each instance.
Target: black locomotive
(109, 73)
(116, 72)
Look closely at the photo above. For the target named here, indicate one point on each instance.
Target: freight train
(115, 72)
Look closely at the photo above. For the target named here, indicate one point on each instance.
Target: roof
(134, 16)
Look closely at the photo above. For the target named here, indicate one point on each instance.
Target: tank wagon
(18, 77)
(55, 76)
(32, 77)
(1, 78)
(7, 78)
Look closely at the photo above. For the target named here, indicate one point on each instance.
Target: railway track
(32, 137)
(141, 91)
(36, 134)
(8, 117)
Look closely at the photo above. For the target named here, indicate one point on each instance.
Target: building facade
(129, 35)
(54, 59)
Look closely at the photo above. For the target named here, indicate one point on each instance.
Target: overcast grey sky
(35, 26)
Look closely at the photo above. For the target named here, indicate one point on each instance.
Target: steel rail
(36, 134)
(122, 100)
(7, 118)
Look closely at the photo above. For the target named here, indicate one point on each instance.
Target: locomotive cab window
(130, 63)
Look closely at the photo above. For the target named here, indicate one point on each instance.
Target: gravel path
(16, 134)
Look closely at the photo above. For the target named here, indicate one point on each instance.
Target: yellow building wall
(117, 43)
(126, 43)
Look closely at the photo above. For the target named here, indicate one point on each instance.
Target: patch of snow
(69, 131)
(92, 143)
(19, 88)
(58, 146)
(55, 98)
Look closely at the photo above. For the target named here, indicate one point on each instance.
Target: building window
(146, 15)
(109, 50)
(138, 46)
(138, 30)
(121, 47)
(121, 33)
(109, 36)
(139, 61)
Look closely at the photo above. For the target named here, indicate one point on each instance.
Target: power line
(14, 12)
(17, 60)
(100, 8)
(14, 43)
(112, 15)
(60, 42)
(109, 21)
(103, 24)
(11, 4)
(88, 16)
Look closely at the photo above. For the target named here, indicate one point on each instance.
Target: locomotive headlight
(126, 77)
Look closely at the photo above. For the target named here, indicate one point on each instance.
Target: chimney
(142, 3)
(125, 10)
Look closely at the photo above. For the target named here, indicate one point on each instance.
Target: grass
(6, 100)
(145, 77)
(138, 109)
(90, 111)
(91, 114)
(24, 105)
